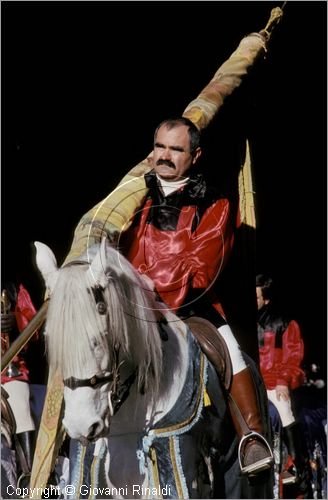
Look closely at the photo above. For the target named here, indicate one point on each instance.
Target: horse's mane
(74, 326)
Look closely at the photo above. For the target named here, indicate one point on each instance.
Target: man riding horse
(179, 233)
(181, 238)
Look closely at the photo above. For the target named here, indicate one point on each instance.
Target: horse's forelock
(73, 323)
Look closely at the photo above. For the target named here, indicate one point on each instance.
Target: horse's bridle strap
(123, 391)
(94, 381)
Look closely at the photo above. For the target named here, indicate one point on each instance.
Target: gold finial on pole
(275, 18)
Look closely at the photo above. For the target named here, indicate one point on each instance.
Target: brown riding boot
(254, 452)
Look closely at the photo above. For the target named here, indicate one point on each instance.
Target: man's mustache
(168, 163)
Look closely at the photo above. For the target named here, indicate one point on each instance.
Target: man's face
(172, 157)
(259, 297)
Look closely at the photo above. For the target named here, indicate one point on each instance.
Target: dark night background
(85, 83)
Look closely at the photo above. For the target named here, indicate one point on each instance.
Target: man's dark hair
(266, 284)
(194, 133)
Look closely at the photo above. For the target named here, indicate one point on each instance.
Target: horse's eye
(101, 307)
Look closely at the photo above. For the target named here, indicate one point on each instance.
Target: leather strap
(235, 409)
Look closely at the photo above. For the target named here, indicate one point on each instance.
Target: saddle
(213, 346)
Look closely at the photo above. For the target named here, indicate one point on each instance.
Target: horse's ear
(47, 264)
(98, 265)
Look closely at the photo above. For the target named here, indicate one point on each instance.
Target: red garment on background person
(181, 241)
(24, 312)
(281, 353)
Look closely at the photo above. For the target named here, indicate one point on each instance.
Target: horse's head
(101, 324)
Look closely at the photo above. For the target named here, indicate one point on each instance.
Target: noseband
(117, 392)
(94, 382)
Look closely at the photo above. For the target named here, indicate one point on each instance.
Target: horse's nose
(95, 430)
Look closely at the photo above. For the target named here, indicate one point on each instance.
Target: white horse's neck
(138, 414)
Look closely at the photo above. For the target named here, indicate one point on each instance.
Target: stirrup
(22, 477)
(260, 465)
(288, 477)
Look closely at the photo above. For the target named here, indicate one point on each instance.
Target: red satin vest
(180, 259)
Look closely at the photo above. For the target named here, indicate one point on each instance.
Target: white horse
(134, 376)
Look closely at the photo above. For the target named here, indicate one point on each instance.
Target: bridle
(118, 392)
(95, 381)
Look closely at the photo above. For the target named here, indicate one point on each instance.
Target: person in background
(17, 310)
(281, 351)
